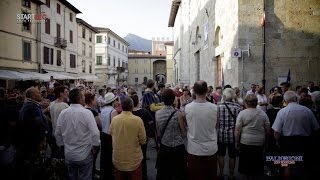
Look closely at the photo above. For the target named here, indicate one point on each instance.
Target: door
(219, 71)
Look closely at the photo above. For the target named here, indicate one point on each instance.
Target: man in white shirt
(201, 117)
(253, 90)
(77, 131)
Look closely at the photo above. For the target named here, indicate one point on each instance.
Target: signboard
(236, 53)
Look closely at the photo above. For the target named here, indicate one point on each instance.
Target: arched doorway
(160, 68)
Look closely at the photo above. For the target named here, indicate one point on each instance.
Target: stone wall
(293, 41)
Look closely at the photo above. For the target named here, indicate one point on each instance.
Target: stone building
(246, 41)
(111, 57)
(143, 66)
(170, 75)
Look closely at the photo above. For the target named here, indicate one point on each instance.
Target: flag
(289, 76)
(222, 81)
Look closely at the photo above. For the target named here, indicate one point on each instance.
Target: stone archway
(160, 70)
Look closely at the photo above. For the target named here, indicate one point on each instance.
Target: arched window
(197, 34)
(218, 36)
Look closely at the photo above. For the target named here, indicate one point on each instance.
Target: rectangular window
(114, 43)
(58, 58)
(84, 66)
(90, 67)
(118, 62)
(108, 40)
(26, 24)
(90, 51)
(26, 3)
(47, 55)
(58, 8)
(122, 48)
(114, 61)
(109, 59)
(136, 80)
(83, 33)
(126, 50)
(48, 3)
(99, 60)
(71, 36)
(123, 64)
(83, 49)
(26, 51)
(71, 17)
(58, 31)
(47, 26)
(118, 45)
(72, 61)
(99, 39)
(51, 56)
(90, 36)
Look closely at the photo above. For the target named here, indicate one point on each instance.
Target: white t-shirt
(202, 134)
(252, 121)
(55, 110)
(51, 84)
(262, 99)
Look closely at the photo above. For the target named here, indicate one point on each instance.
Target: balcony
(60, 42)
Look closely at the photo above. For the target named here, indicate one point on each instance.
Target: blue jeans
(80, 170)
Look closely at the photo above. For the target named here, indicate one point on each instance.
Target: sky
(145, 18)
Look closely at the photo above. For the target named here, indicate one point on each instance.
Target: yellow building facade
(142, 65)
(18, 49)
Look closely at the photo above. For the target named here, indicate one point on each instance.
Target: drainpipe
(39, 40)
(264, 47)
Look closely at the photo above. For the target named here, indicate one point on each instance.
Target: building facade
(111, 57)
(59, 38)
(18, 50)
(143, 66)
(86, 49)
(170, 63)
(158, 46)
(238, 43)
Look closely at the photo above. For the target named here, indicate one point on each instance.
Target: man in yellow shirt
(128, 134)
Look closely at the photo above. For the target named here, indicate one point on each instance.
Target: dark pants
(172, 163)
(144, 162)
(106, 165)
(202, 167)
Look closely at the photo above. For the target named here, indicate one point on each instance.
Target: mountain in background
(138, 43)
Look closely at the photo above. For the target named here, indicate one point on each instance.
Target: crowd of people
(52, 132)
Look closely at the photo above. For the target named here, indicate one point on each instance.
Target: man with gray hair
(227, 115)
(33, 132)
(293, 128)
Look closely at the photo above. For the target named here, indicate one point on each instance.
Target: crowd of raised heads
(191, 124)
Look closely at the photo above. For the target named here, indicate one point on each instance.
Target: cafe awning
(15, 75)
